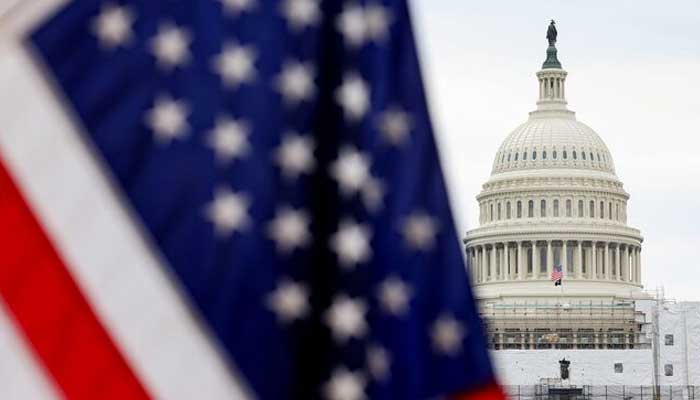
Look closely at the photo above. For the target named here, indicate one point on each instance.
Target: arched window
(499, 211)
(610, 214)
(524, 155)
(543, 259)
(591, 209)
(565, 154)
(583, 155)
(574, 154)
(543, 208)
(602, 210)
(530, 209)
(568, 208)
(544, 154)
(580, 208)
(529, 260)
(491, 212)
(508, 210)
(519, 211)
(516, 156)
(556, 208)
(508, 157)
(554, 154)
(598, 154)
(617, 211)
(591, 156)
(503, 158)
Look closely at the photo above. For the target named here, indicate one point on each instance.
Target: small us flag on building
(557, 275)
(226, 200)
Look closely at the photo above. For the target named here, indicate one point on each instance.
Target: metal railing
(611, 392)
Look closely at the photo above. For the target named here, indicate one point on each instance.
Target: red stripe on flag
(53, 314)
(491, 391)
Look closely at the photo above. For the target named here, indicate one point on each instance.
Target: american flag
(230, 199)
(557, 275)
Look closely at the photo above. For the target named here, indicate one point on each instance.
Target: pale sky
(634, 77)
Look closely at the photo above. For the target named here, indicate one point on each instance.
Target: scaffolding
(587, 325)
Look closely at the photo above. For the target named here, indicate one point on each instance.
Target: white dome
(553, 139)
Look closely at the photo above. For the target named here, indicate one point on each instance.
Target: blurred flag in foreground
(224, 200)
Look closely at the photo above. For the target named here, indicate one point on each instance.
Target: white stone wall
(682, 320)
(588, 367)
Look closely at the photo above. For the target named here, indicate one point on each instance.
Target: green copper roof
(552, 61)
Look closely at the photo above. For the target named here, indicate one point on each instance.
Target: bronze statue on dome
(552, 34)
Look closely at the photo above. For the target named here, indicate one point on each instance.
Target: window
(520, 209)
(565, 154)
(591, 154)
(568, 208)
(530, 209)
(618, 368)
(580, 208)
(491, 212)
(668, 340)
(508, 157)
(543, 208)
(524, 156)
(516, 156)
(554, 154)
(504, 157)
(617, 211)
(610, 211)
(591, 209)
(598, 154)
(583, 155)
(499, 211)
(534, 155)
(543, 259)
(574, 154)
(544, 154)
(556, 208)
(602, 210)
(668, 370)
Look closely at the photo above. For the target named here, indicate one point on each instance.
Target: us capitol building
(554, 199)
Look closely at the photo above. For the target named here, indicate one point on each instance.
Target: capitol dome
(553, 201)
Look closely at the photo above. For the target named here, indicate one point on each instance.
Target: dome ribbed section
(553, 142)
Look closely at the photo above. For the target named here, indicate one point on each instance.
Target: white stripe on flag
(122, 278)
(21, 377)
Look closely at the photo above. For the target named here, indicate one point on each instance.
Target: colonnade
(535, 259)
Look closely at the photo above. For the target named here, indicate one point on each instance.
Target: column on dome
(521, 273)
(579, 260)
(594, 261)
(550, 258)
(504, 260)
(626, 264)
(606, 261)
(618, 264)
(474, 264)
(639, 265)
(484, 266)
(494, 276)
(564, 255)
(508, 257)
(535, 266)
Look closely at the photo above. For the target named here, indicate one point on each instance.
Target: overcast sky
(634, 77)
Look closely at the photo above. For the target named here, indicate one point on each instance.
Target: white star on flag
(350, 170)
(113, 25)
(345, 385)
(395, 125)
(295, 155)
(229, 139)
(168, 119)
(394, 296)
(301, 14)
(346, 318)
(353, 96)
(377, 20)
(447, 334)
(419, 230)
(228, 211)
(289, 301)
(290, 229)
(295, 82)
(351, 244)
(236, 7)
(378, 361)
(235, 64)
(352, 25)
(170, 46)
